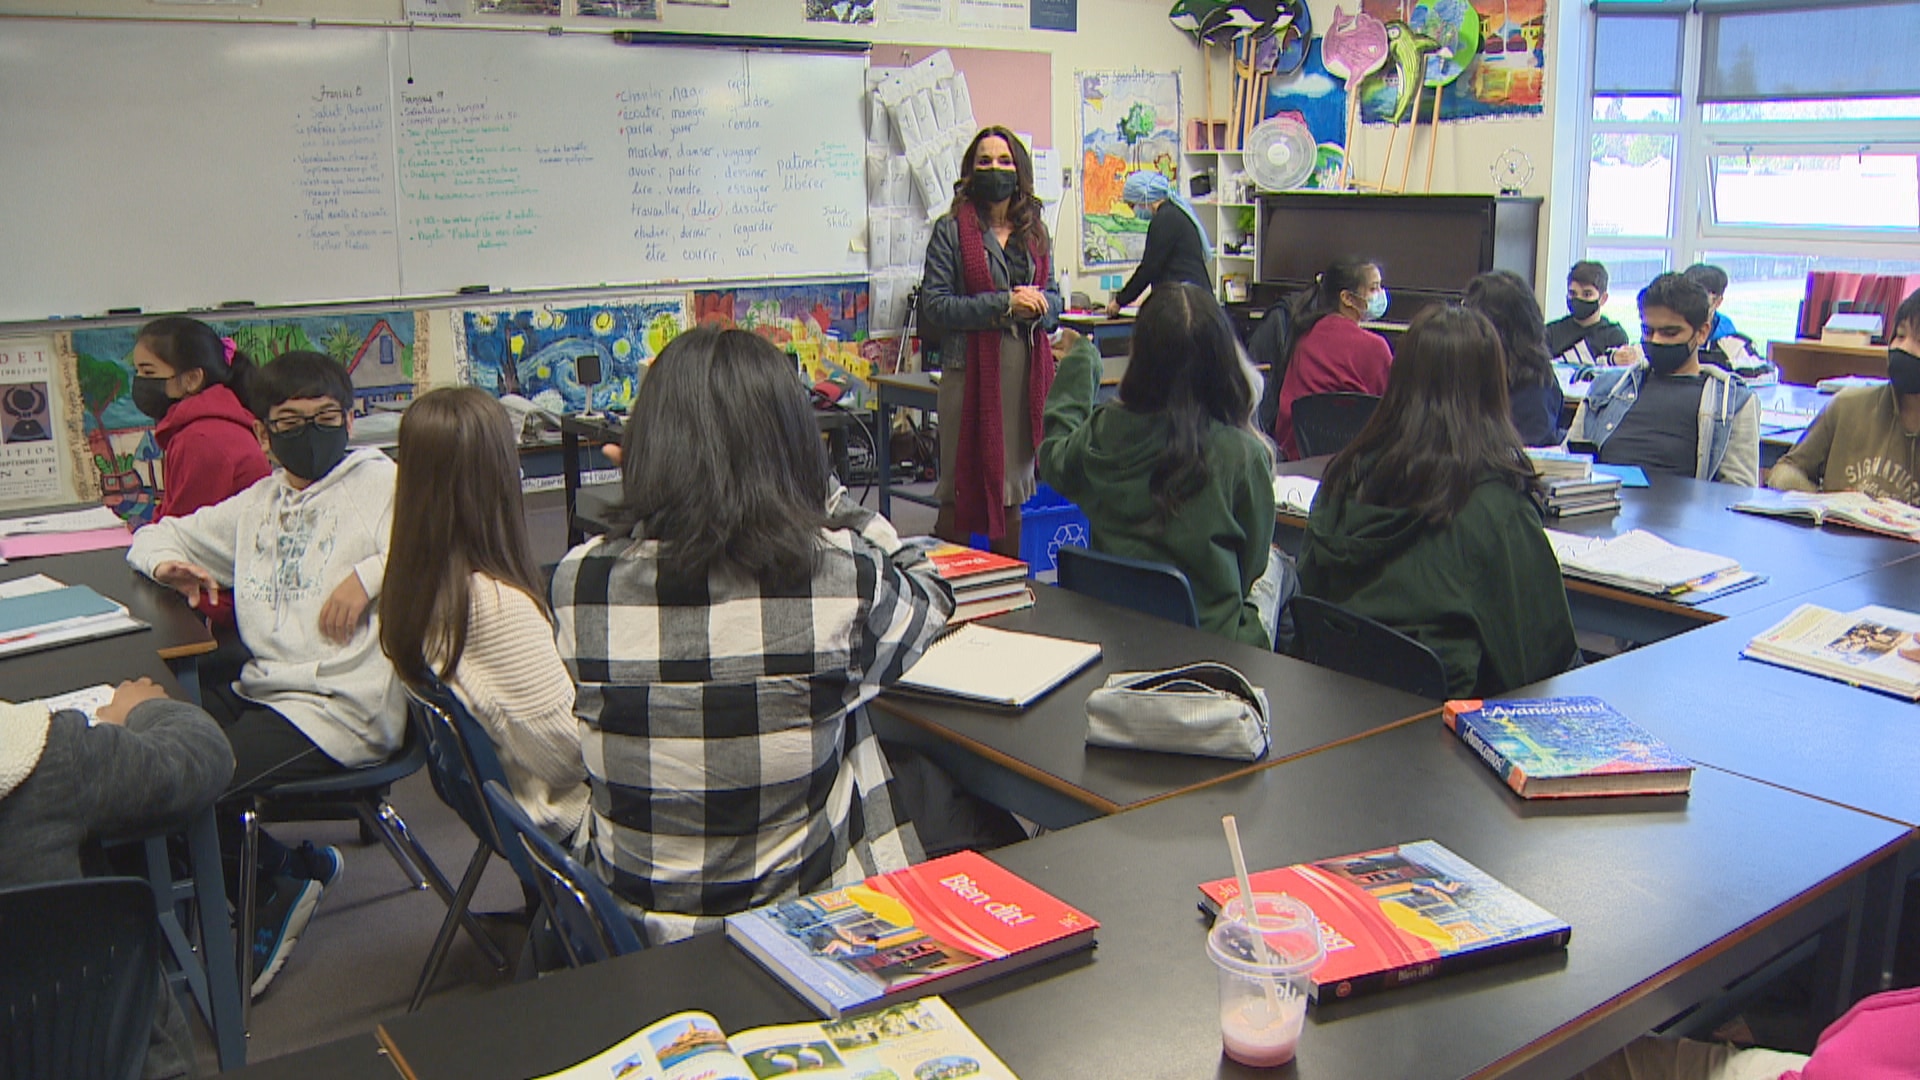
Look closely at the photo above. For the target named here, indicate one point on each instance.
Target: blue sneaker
(282, 918)
(324, 864)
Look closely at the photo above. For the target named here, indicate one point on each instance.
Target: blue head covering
(1151, 186)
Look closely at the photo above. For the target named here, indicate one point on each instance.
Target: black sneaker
(324, 864)
(278, 924)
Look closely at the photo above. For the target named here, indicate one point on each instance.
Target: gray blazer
(948, 314)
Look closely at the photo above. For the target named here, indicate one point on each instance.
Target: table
(1807, 362)
(1037, 762)
(1734, 889)
(1796, 557)
(1112, 335)
(609, 428)
(356, 1057)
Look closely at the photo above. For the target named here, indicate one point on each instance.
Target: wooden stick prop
(1206, 62)
(1419, 95)
(1433, 141)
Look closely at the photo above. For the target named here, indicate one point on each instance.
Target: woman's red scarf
(980, 468)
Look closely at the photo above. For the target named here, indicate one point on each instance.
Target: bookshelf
(1231, 248)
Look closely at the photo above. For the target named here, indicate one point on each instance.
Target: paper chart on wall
(992, 14)
(916, 11)
(36, 432)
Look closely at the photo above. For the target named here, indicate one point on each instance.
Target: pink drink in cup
(1263, 991)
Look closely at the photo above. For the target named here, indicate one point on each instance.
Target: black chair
(354, 794)
(1333, 637)
(590, 923)
(1326, 423)
(461, 758)
(1150, 588)
(81, 979)
(1267, 347)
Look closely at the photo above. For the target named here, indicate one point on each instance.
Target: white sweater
(283, 552)
(511, 678)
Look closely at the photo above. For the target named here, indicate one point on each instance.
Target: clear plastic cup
(1263, 993)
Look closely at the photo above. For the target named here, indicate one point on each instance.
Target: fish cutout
(1355, 46)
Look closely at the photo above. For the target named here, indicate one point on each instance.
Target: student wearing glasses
(304, 552)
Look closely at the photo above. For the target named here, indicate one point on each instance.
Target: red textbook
(929, 929)
(967, 568)
(1400, 914)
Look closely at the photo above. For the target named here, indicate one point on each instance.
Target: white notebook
(998, 667)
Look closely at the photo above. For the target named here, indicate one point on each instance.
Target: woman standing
(989, 298)
(1176, 244)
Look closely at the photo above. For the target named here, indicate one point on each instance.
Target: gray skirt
(1016, 423)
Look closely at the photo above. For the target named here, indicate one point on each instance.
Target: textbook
(1401, 914)
(1556, 464)
(1888, 517)
(1637, 561)
(38, 612)
(1874, 647)
(997, 667)
(1018, 598)
(915, 1040)
(1293, 495)
(965, 567)
(932, 928)
(1555, 748)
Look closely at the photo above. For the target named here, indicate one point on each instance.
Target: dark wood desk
(1038, 763)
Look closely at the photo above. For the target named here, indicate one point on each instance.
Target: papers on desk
(990, 666)
(64, 533)
(1638, 561)
(87, 701)
(1872, 647)
(38, 612)
(94, 517)
(1294, 494)
(1846, 382)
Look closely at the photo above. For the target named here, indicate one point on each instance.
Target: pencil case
(1206, 709)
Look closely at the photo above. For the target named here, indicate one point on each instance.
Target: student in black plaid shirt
(726, 641)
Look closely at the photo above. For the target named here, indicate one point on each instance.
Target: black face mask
(1583, 309)
(995, 185)
(1903, 371)
(1667, 359)
(149, 395)
(310, 452)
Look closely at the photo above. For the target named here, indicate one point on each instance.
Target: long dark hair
(1024, 212)
(722, 461)
(1346, 274)
(185, 345)
(1509, 304)
(1185, 365)
(1442, 427)
(456, 512)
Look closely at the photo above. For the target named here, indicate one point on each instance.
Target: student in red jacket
(192, 382)
(1332, 353)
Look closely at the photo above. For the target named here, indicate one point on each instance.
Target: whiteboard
(171, 167)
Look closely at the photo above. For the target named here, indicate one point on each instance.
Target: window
(1764, 288)
(1787, 188)
(1630, 185)
(1628, 271)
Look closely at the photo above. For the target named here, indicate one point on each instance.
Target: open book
(1872, 647)
(1889, 517)
(1641, 562)
(997, 667)
(1293, 495)
(924, 1039)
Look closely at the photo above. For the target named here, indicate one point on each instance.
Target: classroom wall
(1114, 35)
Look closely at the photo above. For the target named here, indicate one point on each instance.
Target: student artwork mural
(1319, 100)
(1128, 122)
(376, 348)
(824, 327)
(1490, 58)
(535, 352)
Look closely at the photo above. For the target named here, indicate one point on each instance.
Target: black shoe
(281, 919)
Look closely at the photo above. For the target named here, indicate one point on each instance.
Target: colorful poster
(539, 353)
(1318, 100)
(1128, 122)
(376, 348)
(849, 12)
(1491, 59)
(36, 429)
(824, 327)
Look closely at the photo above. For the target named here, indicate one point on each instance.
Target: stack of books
(983, 583)
(1571, 485)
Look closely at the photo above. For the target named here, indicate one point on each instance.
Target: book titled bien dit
(1401, 914)
(929, 929)
(1566, 747)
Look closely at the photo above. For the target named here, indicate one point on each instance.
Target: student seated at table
(1533, 393)
(1877, 1039)
(466, 604)
(65, 786)
(1866, 437)
(304, 553)
(193, 384)
(1715, 281)
(726, 639)
(1426, 521)
(1331, 352)
(1583, 324)
(1173, 471)
(1665, 412)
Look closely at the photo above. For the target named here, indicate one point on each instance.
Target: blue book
(53, 609)
(1553, 748)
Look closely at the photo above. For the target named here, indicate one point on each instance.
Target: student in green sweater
(1425, 521)
(1173, 471)
(1866, 438)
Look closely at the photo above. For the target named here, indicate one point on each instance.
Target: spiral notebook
(1002, 668)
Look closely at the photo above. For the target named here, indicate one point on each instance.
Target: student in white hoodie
(304, 553)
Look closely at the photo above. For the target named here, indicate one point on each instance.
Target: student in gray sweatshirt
(64, 785)
(304, 552)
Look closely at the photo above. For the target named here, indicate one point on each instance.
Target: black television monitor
(1425, 244)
